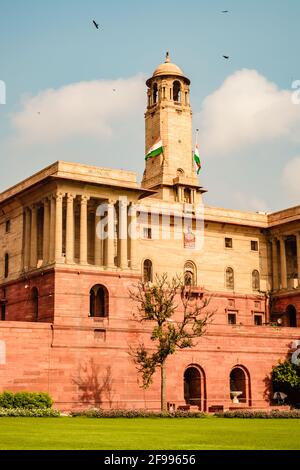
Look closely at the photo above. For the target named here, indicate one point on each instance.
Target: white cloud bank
(247, 109)
(291, 178)
(84, 109)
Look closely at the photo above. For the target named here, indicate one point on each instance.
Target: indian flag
(156, 149)
(197, 159)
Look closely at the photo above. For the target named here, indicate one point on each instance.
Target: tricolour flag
(197, 159)
(155, 150)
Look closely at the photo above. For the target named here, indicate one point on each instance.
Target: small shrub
(260, 414)
(29, 413)
(99, 413)
(26, 400)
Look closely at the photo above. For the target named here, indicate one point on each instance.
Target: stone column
(70, 229)
(274, 263)
(33, 237)
(123, 255)
(179, 193)
(110, 241)
(98, 242)
(83, 229)
(58, 227)
(27, 239)
(283, 263)
(52, 230)
(46, 232)
(298, 256)
(133, 237)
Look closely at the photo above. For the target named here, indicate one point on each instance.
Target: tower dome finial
(167, 57)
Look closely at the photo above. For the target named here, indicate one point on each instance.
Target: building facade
(74, 239)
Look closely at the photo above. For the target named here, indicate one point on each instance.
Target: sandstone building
(66, 318)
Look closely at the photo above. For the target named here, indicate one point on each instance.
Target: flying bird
(96, 24)
(225, 11)
(226, 57)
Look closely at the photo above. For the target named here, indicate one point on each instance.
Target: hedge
(26, 400)
(29, 413)
(98, 413)
(260, 414)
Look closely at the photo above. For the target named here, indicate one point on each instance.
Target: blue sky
(51, 45)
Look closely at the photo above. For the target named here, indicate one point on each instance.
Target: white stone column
(98, 242)
(83, 229)
(274, 264)
(58, 227)
(27, 239)
(133, 236)
(179, 193)
(46, 231)
(52, 230)
(123, 226)
(298, 255)
(70, 229)
(110, 241)
(283, 263)
(33, 237)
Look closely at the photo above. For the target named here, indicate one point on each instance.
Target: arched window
(195, 387)
(6, 265)
(154, 94)
(255, 280)
(147, 271)
(189, 274)
(180, 172)
(229, 278)
(292, 315)
(240, 389)
(35, 303)
(177, 91)
(99, 301)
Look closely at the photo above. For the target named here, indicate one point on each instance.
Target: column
(58, 227)
(110, 241)
(283, 263)
(179, 193)
(33, 237)
(133, 237)
(83, 229)
(274, 263)
(27, 239)
(70, 229)
(123, 255)
(98, 241)
(298, 255)
(52, 230)
(46, 231)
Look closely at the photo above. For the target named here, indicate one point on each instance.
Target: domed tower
(168, 120)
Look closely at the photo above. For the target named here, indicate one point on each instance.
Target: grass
(149, 434)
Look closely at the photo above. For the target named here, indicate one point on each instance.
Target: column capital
(70, 197)
(111, 202)
(84, 199)
(123, 203)
(59, 196)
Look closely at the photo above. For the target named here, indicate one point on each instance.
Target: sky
(60, 74)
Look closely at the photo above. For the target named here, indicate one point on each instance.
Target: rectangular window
(7, 226)
(254, 245)
(6, 265)
(3, 312)
(100, 335)
(231, 319)
(228, 242)
(258, 320)
(147, 233)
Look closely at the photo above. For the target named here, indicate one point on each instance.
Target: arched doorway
(195, 387)
(240, 382)
(99, 301)
(291, 316)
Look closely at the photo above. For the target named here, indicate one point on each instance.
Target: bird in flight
(226, 57)
(225, 11)
(96, 24)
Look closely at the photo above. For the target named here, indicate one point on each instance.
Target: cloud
(247, 109)
(85, 109)
(290, 178)
(248, 202)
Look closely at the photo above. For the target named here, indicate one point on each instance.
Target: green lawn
(148, 433)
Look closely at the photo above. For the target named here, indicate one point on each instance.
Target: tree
(157, 302)
(287, 375)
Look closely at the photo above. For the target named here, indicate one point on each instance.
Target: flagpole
(197, 133)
